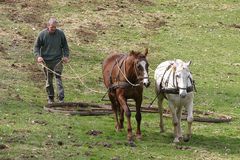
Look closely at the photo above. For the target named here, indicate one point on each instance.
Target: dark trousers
(58, 68)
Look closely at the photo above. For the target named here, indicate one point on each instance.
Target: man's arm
(65, 49)
(36, 50)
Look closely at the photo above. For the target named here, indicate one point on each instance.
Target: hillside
(205, 32)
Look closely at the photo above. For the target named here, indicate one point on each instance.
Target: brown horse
(124, 76)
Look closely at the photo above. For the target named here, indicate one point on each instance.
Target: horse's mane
(180, 64)
(114, 55)
(137, 54)
(179, 61)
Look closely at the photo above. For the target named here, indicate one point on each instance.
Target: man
(51, 49)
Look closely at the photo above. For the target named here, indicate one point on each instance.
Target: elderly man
(51, 48)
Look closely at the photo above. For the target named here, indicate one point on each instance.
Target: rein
(67, 77)
(134, 85)
(43, 64)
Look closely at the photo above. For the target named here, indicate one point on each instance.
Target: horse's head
(141, 66)
(182, 74)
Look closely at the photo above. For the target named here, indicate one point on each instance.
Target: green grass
(200, 31)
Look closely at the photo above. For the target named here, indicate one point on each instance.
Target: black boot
(50, 100)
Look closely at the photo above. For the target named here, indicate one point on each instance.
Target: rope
(81, 81)
(135, 85)
(44, 66)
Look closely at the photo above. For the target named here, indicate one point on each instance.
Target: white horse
(174, 82)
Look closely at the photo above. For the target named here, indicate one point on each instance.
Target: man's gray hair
(52, 21)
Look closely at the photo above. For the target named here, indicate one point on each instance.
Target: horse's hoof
(131, 144)
(176, 140)
(117, 128)
(139, 136)
(180, 138)
(121, 128)
(130, 137)
(186, 138)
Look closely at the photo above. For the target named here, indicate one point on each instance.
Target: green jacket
(51, 47)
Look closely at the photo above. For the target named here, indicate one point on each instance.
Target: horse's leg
(160, 109)
(114, 105)
(189, 120)
(123, 103)
(138, 117)
(121, 117)
(179, 130)
(174, 122)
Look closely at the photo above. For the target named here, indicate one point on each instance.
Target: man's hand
(65, 59)
(39, 59)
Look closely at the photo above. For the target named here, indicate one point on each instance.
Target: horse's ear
(189, 63)
(174, 66)
(132, 52)
(146, 51)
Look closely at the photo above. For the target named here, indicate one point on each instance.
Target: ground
(204, 32)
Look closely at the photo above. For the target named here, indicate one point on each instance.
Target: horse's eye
(139, 66)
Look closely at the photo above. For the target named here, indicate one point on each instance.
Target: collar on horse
(172, 90)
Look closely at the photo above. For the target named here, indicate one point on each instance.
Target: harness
(172, 90)
(120, 63)
(176, 89)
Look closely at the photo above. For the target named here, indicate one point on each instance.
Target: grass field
(205, 32)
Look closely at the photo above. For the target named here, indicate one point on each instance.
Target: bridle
(185, 88)
(140, 78)
(176, 88)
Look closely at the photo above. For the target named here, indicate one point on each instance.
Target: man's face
(52, 28)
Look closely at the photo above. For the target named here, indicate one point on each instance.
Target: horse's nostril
(182, 95)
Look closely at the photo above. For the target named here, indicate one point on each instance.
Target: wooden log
(89, 109)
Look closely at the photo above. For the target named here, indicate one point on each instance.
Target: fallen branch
(89, 109)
